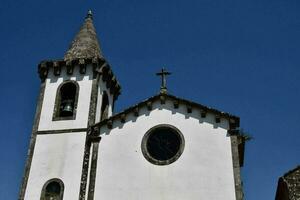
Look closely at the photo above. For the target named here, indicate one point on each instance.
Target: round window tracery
(162, 144)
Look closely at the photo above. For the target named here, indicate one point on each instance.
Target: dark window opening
(53, 190)
(104, 106)
(66, 101)
(162, 144)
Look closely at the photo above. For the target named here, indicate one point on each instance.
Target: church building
(162, 148)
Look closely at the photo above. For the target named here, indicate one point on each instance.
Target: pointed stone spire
(85, 43)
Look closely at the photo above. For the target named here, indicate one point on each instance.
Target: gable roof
(234, 121)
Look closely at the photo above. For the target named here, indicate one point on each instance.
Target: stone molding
(162, 162)
(100, 66)
(237, 150)
(233, 120)
(61, 184)
(32, 141)
(57, 102)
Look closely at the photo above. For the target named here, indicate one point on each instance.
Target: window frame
(162, 162)
(61, 184)
(104, 94)
(57, 103)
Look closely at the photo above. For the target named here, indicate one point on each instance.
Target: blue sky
(238, 56)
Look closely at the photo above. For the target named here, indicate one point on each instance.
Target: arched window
(53, 190)
(66, 101)
(104, 106)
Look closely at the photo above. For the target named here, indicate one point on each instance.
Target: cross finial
(89, 14)
(163, 73)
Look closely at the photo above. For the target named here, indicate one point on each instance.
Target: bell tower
(75, 93)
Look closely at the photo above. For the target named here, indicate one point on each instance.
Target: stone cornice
(233, 120)
(100, 66)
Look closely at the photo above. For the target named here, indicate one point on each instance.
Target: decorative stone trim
(203, 113)
(92, 179)
(67, 62)
(82, 69)
(237, 159)
(108, 83)
(56, 69)
(56, 116)
(61, 184)
(100, 66)
(105, 73)
(85, 169)
(43, 71)
(231, 124)
(32, 141)
(189, 109)
(176, 104)
(218, 119)
(162, 162)
(70, 68)
(123, 118)
(95, 61)
(88, 143)
(81, 61)
(162, 99)
(234, 121)
(93, 102)
(61, 131)
(149, 105)
(109, 124)
(136, 111)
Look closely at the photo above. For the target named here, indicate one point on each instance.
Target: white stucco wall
(203, 171)
(52, 83)
(60, 154)
(56, 156)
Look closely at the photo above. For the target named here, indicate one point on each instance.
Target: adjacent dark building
(289, 186)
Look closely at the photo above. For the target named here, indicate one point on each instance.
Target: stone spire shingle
(85, 43)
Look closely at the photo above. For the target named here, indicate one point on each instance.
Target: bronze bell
(67, 108)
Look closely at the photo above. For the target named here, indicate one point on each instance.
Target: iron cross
(163, 73)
